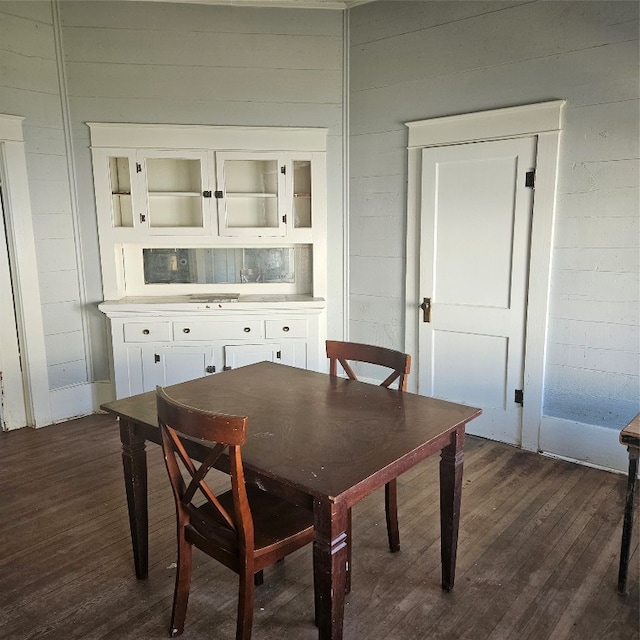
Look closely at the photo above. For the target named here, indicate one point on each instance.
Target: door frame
(24, 271)
(543, 120)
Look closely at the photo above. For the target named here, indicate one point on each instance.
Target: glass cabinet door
(176, 193)
(301, 194)
(250, 194)
(120, 168)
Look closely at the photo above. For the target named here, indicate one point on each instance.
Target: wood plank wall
(418, 60)
(192, 64)
(29, 87)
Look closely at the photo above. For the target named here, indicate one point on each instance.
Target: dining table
(323, 441)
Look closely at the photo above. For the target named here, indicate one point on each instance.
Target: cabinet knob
(285, 329)
(247, 329)
(146, 332)
(186, 330)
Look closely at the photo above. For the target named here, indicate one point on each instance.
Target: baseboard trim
(587, 444)
(79, 400)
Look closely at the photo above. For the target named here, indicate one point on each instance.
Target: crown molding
(289, 4)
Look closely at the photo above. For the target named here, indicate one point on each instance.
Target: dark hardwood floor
(538, 553)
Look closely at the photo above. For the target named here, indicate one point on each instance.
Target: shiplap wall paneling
(189, 64)
(414, 60)
(29, 87)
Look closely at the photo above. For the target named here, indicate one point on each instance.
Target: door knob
(426, 309)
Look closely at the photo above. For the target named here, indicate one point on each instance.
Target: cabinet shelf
(173, 194)
(251, 195)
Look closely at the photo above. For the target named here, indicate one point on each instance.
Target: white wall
(29, 87)
(190, 64)
(417, 60)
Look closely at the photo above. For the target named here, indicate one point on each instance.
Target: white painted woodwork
(31, 398)
(435, 60)
(159, 351)
(205, 65)
(540, 257)
(12, 395)
(475, 220)
(30, 87)
(172, 340)
(184, 158)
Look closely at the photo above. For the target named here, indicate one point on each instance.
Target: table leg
(330, 551)
(451, 458)
(134, 460)
(627, 526)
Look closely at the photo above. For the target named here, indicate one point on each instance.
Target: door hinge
(156, 358)
(519, 397)
(138, 167)
(283, 169)
(210, 369)
(279, 355)
(218, 194)
(530, 179)
(284, 219)
(206, 194)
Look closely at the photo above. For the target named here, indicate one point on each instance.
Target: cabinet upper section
(184, 187)
(157, 180)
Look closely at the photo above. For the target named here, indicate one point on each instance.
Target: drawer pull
(247, 329)
(285, 329)
(145, 332)
(186, 330)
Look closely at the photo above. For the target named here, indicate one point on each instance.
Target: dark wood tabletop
(630, 435)
(330, 440)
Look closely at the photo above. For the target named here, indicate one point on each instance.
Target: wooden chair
(400, 363)
(245, 528)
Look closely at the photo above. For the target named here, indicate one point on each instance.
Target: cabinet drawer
(147, 332)
(286, 328)
(226, 330)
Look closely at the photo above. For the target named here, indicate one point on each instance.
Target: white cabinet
(142, 367)
(191, 218)
(153, 192)
(171, 342)
(263, 194)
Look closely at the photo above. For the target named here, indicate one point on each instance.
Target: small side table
(630, 437)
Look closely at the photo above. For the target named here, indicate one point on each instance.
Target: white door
(474, 258)
(12, 401)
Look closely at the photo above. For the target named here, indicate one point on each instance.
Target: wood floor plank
(537, 559)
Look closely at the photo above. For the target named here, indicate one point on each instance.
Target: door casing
(543, 120)
(26, 288)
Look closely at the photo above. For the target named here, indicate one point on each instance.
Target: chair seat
(274, 522)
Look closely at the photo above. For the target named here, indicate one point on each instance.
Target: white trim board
(588, 444)
(193, 136)
(543, 120)
(79, 400)
(22, 251)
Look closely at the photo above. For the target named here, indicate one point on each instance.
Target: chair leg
(183, 583)
(245, 605)
(347, 580)
(391, 508)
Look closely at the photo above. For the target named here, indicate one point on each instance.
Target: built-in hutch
(213, 248)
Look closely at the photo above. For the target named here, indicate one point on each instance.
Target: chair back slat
(225, 434)
(343, 352)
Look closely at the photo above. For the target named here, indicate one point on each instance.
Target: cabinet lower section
(151, 350)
